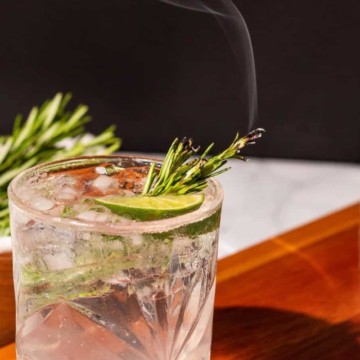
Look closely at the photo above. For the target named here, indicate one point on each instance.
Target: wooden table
(296, 296)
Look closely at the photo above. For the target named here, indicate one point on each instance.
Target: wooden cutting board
(293, 297)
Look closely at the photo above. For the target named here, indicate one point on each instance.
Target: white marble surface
(267, 197)
(5, 244)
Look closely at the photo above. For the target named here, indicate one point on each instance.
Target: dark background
(159, 71)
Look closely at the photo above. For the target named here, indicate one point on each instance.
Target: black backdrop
(160, 71)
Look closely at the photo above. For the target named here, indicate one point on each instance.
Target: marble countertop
(265, 197)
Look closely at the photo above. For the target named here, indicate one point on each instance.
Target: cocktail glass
(92, 285)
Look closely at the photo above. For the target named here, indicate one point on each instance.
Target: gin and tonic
(92, 284)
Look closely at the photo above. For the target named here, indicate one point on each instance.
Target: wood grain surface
(7, 301)
(294, 297)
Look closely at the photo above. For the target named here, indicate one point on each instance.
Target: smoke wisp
(235, 29)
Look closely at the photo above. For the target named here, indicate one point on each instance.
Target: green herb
(68, 211)
(39, 139)
(177, 175)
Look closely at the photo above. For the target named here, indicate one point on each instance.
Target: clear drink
(93, 285)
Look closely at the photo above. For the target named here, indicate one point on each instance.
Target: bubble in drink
(93, 285)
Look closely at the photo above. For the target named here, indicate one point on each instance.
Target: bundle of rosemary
(40, 138)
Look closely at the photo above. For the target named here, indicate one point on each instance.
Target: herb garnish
(179, 176)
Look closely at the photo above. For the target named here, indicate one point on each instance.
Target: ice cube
(91, 215)
(67, 193)
(127, 193)
(137, 239)
(103, 217)
(42, 203)
(66, 180)
(101, 170)
(104, 182)
(87, 215)
(59, 260)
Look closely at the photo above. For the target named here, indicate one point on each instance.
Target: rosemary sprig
(177, 175)
(40, 138)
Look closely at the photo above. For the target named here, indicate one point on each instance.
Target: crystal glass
(92, 285)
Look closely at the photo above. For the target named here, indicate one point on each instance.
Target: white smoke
(234, 27)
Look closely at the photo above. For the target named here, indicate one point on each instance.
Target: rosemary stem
(180, 176)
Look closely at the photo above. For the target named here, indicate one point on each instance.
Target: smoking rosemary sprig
(179, 175)
(40, 138)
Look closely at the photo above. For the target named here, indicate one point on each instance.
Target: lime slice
(152, 207)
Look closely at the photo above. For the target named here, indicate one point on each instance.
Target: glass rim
(153, 226)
